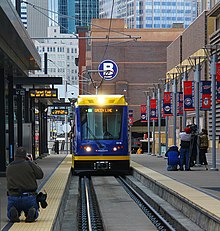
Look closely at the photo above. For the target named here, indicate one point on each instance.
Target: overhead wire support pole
(148, 123)
(159, 119)
(153, 130)
(197, 74)
(147, 94)
(185, 78)
(167, 121)
(213, 76)
(174, 107)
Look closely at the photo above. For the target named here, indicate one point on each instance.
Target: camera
(193, 128)
(41, 198)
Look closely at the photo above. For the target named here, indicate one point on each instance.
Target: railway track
(89, 217)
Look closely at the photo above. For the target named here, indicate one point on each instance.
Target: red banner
(143, 113)
(130, 117)
(167, 104)
(153, 109)
(218, 72)
(188, 92)
(179, 103)
(205, 99)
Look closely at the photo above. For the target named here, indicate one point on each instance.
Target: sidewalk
(48, 165)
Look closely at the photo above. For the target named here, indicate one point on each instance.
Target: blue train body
(101, 135)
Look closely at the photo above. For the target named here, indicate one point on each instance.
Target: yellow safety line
(55, 188)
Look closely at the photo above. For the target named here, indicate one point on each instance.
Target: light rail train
(100, 143)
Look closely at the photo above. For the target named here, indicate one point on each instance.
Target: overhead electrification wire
(71, 17)
(106, 46)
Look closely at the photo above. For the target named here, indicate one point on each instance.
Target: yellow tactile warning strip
(196, 197)
(54, 187)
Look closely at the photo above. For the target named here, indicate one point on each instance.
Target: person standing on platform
(185, 138)
(173, 158)
(21, 175)
(203, 147)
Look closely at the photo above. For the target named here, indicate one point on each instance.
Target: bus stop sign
(108, 69)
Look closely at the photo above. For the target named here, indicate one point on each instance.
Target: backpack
(204, 142)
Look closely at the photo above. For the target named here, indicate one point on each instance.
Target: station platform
(195, 193)
(198, 186)
(56, 168)
(198, 177)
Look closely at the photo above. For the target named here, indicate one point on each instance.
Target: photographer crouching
(21, 175)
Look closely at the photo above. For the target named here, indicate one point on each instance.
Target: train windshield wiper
(94, 137)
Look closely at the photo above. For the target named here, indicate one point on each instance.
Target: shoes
(206, 169)
(31, 215)
(14, 215)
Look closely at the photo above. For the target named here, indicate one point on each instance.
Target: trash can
(56, 149)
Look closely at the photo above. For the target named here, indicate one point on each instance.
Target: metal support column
(19, 119)
(197, 99)
(167, 122)
(213, 76)
(174, 108)
(185, 78)
(153, 130)
(159, 119)
(10, 118)
(148, 123)
(2, 125)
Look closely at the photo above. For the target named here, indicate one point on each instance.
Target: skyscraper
(73, 13)
(152, 14)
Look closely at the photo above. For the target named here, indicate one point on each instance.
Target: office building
(152, 14)
(61, 54)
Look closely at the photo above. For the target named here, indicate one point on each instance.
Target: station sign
(43, 93)
(59, 111)
(108, 69)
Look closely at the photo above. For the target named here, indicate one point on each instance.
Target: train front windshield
(101, 123)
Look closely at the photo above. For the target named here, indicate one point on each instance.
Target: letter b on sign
(108, 69)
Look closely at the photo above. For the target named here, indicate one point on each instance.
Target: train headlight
(88, 148)
(115, 149)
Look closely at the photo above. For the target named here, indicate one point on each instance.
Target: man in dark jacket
(173, 158)
(21, 177)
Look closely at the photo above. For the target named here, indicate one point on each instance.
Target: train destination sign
(59, 111)
(43, 93)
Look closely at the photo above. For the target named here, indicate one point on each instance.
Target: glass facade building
(73, 13)
(152, 14)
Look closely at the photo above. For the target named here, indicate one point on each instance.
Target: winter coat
(173, 155)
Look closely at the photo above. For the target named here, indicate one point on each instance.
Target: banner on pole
(153, 109)
(167, 104)
(205, 95)
(179, 103)
(188, 92)
(218, 81)
(143, 113)
(130, 117)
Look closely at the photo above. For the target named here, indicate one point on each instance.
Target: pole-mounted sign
(108, 69)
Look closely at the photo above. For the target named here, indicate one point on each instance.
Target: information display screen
(43, 93)
(59, 111)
